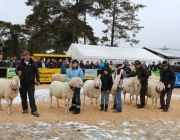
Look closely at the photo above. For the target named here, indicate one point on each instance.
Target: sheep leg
(58, 103)
(8, 102)
(132, 100)
(152, 102)
(0, 105)
(84, 100)
(10, 105)
(50, 101)
(124, 98)
(155, 102)
(91, 102)
(66, 104)
(146, 100)
(96, 102)
(136, 99)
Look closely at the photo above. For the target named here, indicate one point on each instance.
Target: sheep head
(135, 84)
(160, 87)
(97, 83)
(15, 83)
(76, 82)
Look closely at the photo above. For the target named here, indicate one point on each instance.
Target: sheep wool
(9, 90)
(92, 89)
(59, 77)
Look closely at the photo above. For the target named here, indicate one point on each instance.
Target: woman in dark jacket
(87, 66)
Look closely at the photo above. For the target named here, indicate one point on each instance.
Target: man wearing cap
(143, 76)
(120, 74)
(28, 70)
(167, 76)
(75, 71)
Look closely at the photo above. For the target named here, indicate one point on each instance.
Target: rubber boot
(102, 107)
(76, 111)
(72, 108)
(106, 108)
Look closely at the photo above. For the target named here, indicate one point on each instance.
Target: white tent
(92, 52)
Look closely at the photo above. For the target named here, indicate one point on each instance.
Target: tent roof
(167, 53)
(80, 51)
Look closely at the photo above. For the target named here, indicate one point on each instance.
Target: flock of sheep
(91, 88)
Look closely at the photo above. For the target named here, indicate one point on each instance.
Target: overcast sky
(160, 18)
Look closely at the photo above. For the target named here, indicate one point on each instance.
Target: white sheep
(153, 79)
(59, 77)
(132, 86)
(92, 89)
(154, 90)
(9, 90)
(64, 90)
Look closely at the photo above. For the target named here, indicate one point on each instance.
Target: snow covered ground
(105, 130)
(43, 95)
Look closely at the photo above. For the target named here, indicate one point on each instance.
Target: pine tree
(13, 39)
(122, 23)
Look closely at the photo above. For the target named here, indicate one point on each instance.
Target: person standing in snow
(28, 69)
(75, 71)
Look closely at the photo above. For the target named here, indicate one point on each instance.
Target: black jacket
(106, 82)
(142, 74)
(29, 72)
(153, 67)
(167, 77)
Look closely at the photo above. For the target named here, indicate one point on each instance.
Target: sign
(11, 72)
(177, 82)
(90, 73)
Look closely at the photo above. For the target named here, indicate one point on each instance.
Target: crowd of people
(11, 62)
(66, 63)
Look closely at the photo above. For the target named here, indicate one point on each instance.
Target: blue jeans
(118, 99)
(76, 101)
(104, 98)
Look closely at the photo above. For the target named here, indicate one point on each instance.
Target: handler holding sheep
(167, 76)
(28, 69)
(75, 71)
(143, 79)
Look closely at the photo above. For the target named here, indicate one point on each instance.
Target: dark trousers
(168, 99)
(143, 94)
(76, 101)
(24, 90)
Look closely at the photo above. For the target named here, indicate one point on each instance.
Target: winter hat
(106, 69)
(116, 62)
